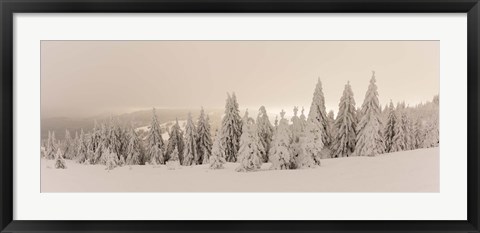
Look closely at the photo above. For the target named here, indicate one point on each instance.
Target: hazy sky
(85, 78)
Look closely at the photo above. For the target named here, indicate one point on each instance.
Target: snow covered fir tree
(155, 147)
(280, 140)
(345, 125)
(250, 152)
(370, 135)
(265, 132)
(217, 160)
(231, 128)
(204, 140)
(318, 114)
(280, 154)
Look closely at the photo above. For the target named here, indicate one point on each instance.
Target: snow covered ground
(410, 171)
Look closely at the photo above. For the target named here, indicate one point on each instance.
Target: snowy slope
(410, 171)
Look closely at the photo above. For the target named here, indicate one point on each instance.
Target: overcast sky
(86, 78)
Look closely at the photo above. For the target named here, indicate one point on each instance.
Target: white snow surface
(408, 171)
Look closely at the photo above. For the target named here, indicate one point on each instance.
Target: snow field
(407, 171)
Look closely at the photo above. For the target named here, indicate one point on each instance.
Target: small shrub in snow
(216, 162)
(59, 161)
(174, 162)
(111, 160)
(173, 165)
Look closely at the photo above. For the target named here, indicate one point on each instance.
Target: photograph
(239, 116)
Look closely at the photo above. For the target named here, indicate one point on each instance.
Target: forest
(296, 143)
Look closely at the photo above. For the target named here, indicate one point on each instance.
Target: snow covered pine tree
(312, 143)
(346, 123)
(204, 140)
(231, 128)
(155, 145)
(249, 155)
(369, 129)
(318, 113)
(217, 160)
(279, 154)
(135, 150)
(190, 150)
(389, 134)
(176, 141)
(265, 132)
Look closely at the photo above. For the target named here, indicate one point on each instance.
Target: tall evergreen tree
(135, 152)
(304, 150)
(312, 143)
(265, 132)
(345, 125)
(231, 129)
(279, 154)
(69, 148)
(389, 134)
(432, 134)
(51, 145)
(417, 133)
(103, 146)
(96, 137)
(318, 113)
(369, 129)
(90, 149)
(400, 138)
(204, 140)
(409, 140)
(217, 160)
(431, 137)
(116, 138)
(249, 154)
(76, 141)
(82, 148)
(190, 150)
(176, 141)
(155, 145)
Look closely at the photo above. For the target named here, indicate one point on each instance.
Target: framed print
(239, 116)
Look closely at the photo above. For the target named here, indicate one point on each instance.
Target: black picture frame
(9, 7)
